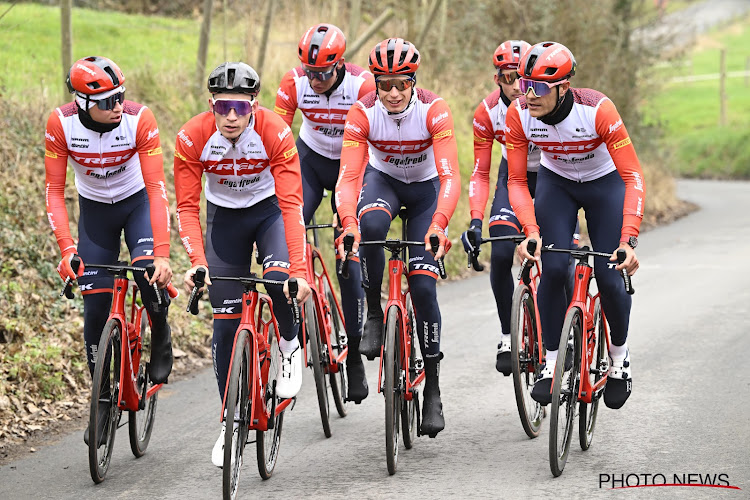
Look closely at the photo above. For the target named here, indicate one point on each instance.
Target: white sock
(551, 357)
(618, 352)
(505, 338)
(288, 346)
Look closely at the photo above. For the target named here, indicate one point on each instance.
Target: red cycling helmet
(508, 53)
(547, 62)
(383, 61)
(94, 75)
(322, 45)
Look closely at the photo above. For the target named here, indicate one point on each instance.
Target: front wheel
(268, 442)
(392, 387)
(141, 422)
(237, 419)
(316, 360)
(410, 409)
(565, 391)
(104, 397)
(338, 380)
(596, 370)
(525, 364)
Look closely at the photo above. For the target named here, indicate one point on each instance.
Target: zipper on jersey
(565, 152)
(104, 174)
(330, 125)
(401, 149)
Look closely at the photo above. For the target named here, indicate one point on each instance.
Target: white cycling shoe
(217, 454)
(289, 378)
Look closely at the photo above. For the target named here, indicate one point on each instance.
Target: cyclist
(589, 162)
(323, 88)
(253, 195)
(413, 162)
(114, 149)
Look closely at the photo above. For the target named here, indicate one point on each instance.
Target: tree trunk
(264, 40)
(200, 71)
(66, 39)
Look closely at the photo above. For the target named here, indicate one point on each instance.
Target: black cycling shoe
(102, 421)
(372, 337)
(433, 420)
(160, 365)
(503, 363)
(542, 391)
(355, 371)
(619, 384)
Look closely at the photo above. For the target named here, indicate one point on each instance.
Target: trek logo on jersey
(440, 117)
(184, 138)
(284, 133)
(85, 287)
(249, 167)
(275, 263)
(107, 175)
(319, 115)
(404, 146)
(49, 136)
(426, 267)
(615, 125)
(224, 310)
(410, 160)
(550, 147)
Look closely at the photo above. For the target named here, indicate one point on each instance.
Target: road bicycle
(526, 347)
(401, 372)
(121, 381)
(250, 401)
(326, 334)
(584, 347)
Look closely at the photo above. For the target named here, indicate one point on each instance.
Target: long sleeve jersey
(417, 146)
(588, 144)
(260, 163)
(109, 167)
(323, 117)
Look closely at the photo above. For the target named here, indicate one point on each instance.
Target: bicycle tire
(268, 441)
(525, 365)
(587, 412)
(410, 409)
(312, 328)
(141, 422)
(339, 381)
(391, 389)
(565, 391)
(237, 407)
(104, 390)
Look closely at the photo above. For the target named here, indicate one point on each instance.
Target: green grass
(688, 112)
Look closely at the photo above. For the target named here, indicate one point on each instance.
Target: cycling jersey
(588, 144)
(489, 126)
(261, 162)
(323, 117)
(109, 167)
(417, 146)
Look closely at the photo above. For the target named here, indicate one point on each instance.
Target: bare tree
(200, 71)
(66, 39)
(264, 39)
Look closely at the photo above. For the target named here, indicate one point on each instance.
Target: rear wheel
(313, 336)
(392, 387)
(338, 380)
(237, 406)
(105, 389)
(565, 391)
(141, 423)
(410, 409)
(269, 441)
(597, 370)
(525, 364)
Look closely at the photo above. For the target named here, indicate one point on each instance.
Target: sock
(288, 346)
(505, 339)
(618, 351)
(551, 357)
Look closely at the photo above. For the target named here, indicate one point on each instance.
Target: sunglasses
(508, 78)
(540, 89)
(224, 106)
(387, 84)
(320, 75)
(109, 103)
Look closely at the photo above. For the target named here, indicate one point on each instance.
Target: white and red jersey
(323, 117)
(588, 144)
(261, 162)
(414, 146)
(109, 167)
(489, 126)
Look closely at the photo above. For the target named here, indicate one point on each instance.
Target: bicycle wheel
(524, 350)
(392, 387)
(339, 382)
(410, 409)
(597, 369)
(316, 360)
(237, 407)
(565, 391)
(104, 397)
(141, 423)
(268, 441)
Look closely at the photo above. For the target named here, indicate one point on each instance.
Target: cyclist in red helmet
(323, 88)
(253, 193)
(589, 162)
(413, 162)
(114, 149)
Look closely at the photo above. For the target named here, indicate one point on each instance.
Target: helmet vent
(550, 71)
(230, 78)
(112, 75)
